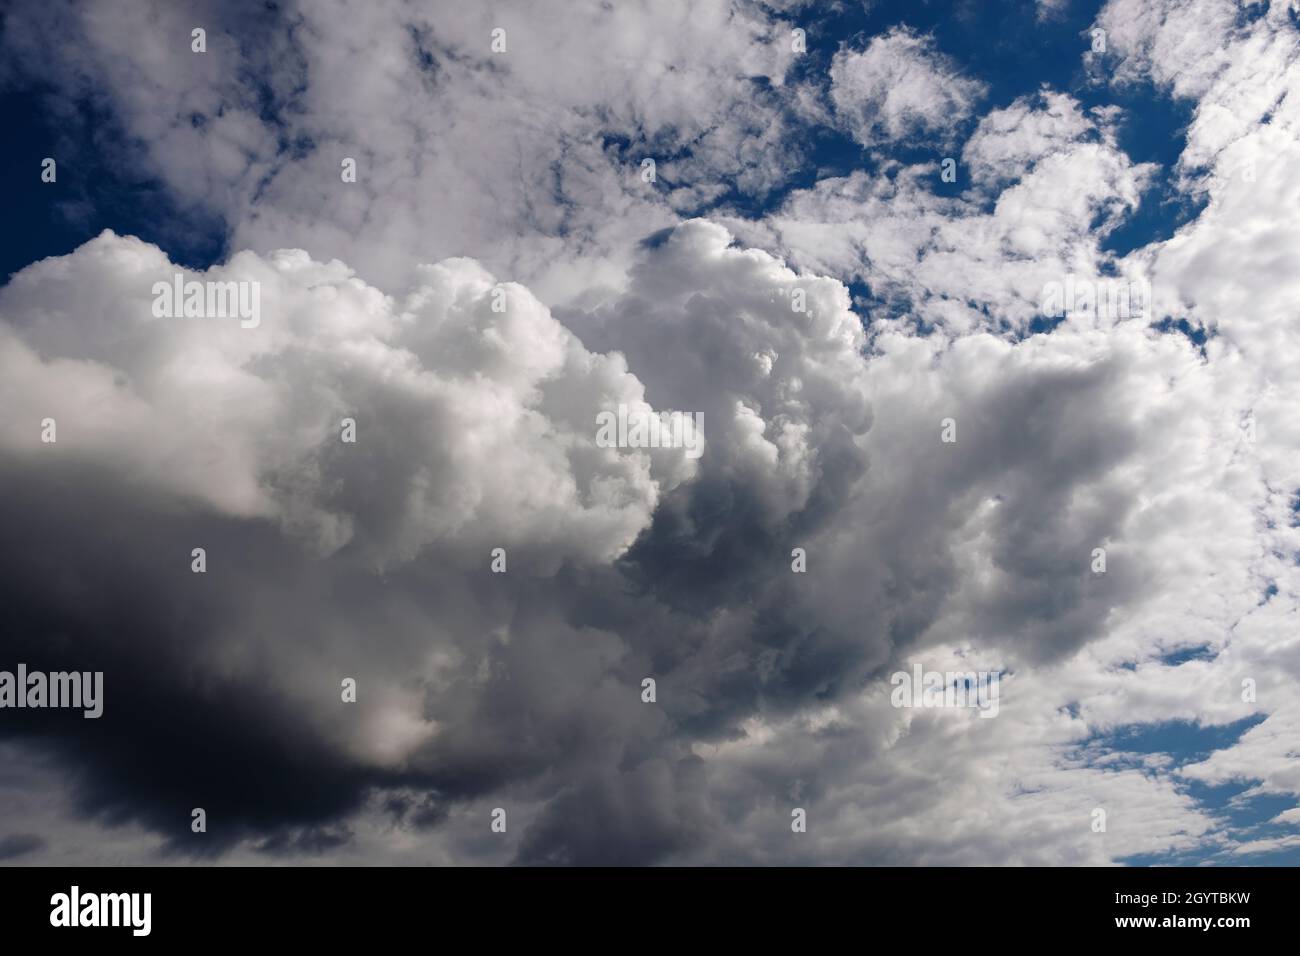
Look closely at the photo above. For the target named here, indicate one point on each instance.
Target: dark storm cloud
(203, 706)
(20, 844)
(95, 579)
(632, 816)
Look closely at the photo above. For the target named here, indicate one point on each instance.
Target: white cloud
(900, 87)
(475, 427)
(527, 160)
(1049, 174)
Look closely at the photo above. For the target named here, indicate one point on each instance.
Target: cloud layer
(499, 275)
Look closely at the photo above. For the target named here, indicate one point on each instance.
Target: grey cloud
(20, 844)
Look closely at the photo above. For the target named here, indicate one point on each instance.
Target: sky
(856, 256)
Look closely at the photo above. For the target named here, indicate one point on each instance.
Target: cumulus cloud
(476, 429)
(518, 158)
(480, 406)
(1050, 182)
(513, 277)
(1229, 272)
(918, 549)
(1009, 142)
(901, 86)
